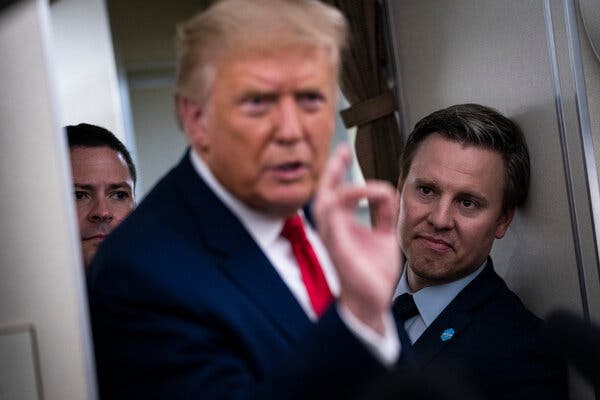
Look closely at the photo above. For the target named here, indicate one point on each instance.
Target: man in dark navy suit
(464, 171)
(216, 286)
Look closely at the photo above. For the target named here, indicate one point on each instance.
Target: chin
(291, 196)
(285, 207)
(430, 268)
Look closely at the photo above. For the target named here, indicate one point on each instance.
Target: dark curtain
(366, 71)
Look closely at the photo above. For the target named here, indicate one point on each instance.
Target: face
(103, 192)
(265, 127)
(450, 210)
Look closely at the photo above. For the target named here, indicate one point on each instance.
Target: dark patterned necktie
(404, 307)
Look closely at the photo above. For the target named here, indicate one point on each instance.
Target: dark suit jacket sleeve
(156, 351)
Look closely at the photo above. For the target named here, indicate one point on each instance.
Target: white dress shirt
(431, 301)
(266, 232)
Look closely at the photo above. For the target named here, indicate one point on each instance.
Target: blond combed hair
(235, 26)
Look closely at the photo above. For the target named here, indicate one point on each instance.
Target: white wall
(43, 313)
(57, 68)
(160, 143)
(86, 72)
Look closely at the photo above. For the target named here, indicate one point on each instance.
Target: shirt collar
(432, 300)
(264, 229)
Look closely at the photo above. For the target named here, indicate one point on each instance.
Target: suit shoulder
(159, 235)
(507, 308)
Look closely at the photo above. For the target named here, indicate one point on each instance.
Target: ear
(193, 119)
(504, 222)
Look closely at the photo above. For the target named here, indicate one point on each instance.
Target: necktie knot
(293, 230)
(404, 307)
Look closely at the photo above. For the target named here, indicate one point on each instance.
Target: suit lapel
(441, 333)
(240, 258)
(257, 278)
(456, 316)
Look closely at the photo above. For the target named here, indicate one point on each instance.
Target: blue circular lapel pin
(447, 334)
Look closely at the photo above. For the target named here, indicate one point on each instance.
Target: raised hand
(367, 259)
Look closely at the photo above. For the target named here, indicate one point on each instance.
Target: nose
(441, 214)
(290, 127)
(100, 212)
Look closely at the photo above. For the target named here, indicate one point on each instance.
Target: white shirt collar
(264, 229)
(432, 300)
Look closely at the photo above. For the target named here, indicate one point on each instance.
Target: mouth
(99, 237)
(435, 244)
(290, 171)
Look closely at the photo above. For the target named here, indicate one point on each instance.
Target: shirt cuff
(385, 348)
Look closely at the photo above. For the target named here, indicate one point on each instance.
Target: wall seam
(583, 119)
(558, 103)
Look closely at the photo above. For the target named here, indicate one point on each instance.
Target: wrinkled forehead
(253, 55)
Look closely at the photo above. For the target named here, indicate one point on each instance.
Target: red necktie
(310, 269)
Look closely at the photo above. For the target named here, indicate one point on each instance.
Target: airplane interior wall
(45, 350)
(84, 64)
(515, 57)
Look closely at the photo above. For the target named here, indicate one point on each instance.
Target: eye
(256, 104)
(468, 204)
(310, 101)
(425, 190)
(80, 195)
(120, 195)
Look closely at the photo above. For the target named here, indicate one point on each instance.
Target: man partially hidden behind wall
(104, 179)
(464, 171)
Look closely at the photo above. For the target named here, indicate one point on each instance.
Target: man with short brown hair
(464, 171)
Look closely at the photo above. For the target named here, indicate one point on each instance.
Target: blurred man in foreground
(103, 183)
(217, 285)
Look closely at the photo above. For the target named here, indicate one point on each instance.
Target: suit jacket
(486, 338)
(184, 304)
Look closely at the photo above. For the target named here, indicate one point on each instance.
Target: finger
(382, 202)
(332, 177)
(380, 195)
(335, 170)
(343, 201)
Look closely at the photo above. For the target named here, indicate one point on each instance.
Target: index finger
(335, 170)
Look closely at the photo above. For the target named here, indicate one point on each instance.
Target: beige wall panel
(591, 64)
